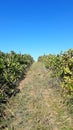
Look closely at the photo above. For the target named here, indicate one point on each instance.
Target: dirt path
(38, 106)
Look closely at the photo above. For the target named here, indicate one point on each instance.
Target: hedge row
(13, 68)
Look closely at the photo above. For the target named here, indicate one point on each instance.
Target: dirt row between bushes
(38, 106)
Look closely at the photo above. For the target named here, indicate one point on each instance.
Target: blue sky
(36, 27)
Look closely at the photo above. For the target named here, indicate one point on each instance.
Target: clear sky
(36, 27)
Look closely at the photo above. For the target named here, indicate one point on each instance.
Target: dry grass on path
(38, 106)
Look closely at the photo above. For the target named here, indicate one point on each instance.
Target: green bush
(13, 68)
(62, 67)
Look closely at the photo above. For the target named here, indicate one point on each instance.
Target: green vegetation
(62, 67)
(40, 105)
(13, 68)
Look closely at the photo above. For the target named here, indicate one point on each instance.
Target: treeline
(62, 67)
(13, 68)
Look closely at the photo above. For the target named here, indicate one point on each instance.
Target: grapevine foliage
(13, 68)
(62, 66)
